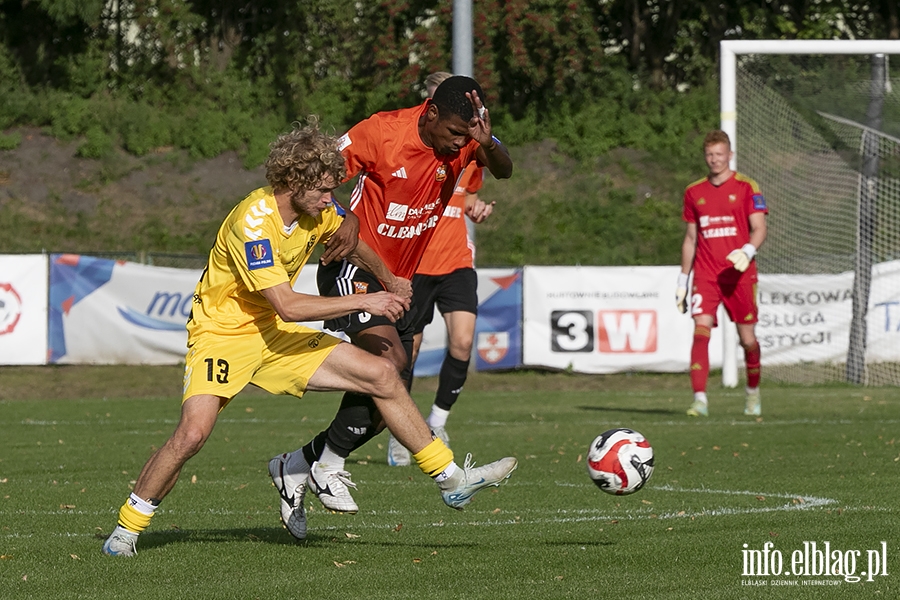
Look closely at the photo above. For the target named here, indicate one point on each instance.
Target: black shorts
(342, 279)
(456, 291)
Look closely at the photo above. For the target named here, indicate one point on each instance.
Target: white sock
(296, 463)
(446, 473)
(751, 390)
(142, 506)
(438, 416)
(331, 460)
(700, 397)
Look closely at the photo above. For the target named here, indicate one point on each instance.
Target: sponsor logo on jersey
(441, 173)
(701, 201)
(452, 212)
(407, 231)
(360, 287)
(759, 202)
(311, 243)
(344, 141)
(732, 197)
(259, 254)
(400, 173)
(719, 232)
(707, 220)
(396, 212)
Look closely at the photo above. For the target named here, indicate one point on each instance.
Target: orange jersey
(403, 185)
(450, 247)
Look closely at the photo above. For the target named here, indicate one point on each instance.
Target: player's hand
(681, 293)
(400, 287)
(477, 210)
(742, 257)
(480, 125)
(343, 241)
(384, 304)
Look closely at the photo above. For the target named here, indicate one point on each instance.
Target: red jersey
(403, 185)
(722, 214)
(450, 247)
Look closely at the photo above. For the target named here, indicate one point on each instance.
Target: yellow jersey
(254, 250)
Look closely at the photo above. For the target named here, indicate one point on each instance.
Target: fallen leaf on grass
(761, 498)
(351, 535)
(398, 527)
(74, 557)
(67, 506)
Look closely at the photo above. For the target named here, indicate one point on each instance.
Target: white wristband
(682, 280)
(749, 250)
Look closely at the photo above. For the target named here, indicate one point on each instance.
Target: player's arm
(490, 152)
(742, 256)
(366, 258)
(343, 241)
(688, 250)
(293, 306)
(476, 208)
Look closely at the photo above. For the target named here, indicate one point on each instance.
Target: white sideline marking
(562, 515)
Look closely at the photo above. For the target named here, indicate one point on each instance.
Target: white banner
(607, 320)
(109, 312)
(23, 309)
(806, 318)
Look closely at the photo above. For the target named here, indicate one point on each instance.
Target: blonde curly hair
(300, 159)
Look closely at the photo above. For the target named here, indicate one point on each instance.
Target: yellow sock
(132, 519)
(434, 458)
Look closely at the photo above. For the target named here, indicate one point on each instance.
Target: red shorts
(738, 297)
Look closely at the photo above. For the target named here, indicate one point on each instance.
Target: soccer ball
(620, 461)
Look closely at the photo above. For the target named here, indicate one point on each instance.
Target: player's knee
(384, 380)
(188, 440)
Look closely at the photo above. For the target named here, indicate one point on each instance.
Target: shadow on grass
(582, 544)
(266, 535)
(645, 411)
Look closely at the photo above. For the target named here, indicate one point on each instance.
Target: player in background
(408, 162)
(726, 224)
(243, 329)
(446, 277)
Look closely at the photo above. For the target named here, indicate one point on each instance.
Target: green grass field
(820, 466)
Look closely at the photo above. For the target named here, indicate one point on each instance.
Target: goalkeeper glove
(681, 293)
(742, 257)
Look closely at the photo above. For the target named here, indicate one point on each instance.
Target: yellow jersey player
(243, 329)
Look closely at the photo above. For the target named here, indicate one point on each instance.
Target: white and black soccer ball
(620, 461)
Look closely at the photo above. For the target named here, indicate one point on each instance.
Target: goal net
(817, 125)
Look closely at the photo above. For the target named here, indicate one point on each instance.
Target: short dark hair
(450, 97)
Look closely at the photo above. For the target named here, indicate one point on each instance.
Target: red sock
(753, 368)
(700, 358)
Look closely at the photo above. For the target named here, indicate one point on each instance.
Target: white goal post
(730, 113)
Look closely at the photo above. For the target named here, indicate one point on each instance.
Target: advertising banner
(23, 309)
(108, 312)
(498, 333)
(806, 318)
(607, 320)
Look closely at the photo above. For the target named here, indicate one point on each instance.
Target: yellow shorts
(279, 359)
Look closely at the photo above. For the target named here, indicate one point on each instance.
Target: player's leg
(741, 303)
(457, 300)
(357, 419)
(353, 369)
(454, 369)
(216, 369)
(704, 304)
(424, 292)
(160, 473)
